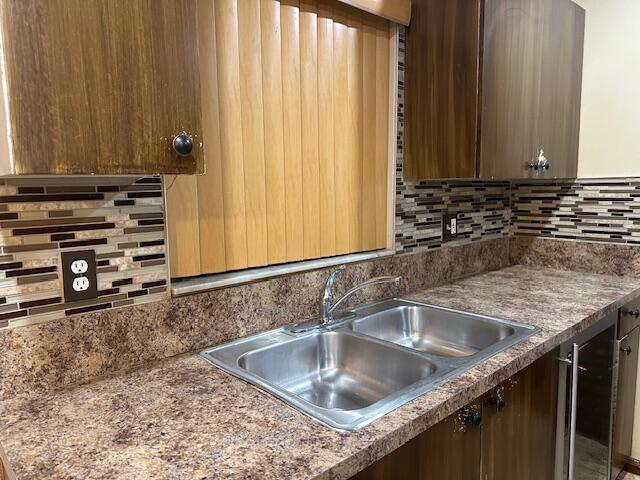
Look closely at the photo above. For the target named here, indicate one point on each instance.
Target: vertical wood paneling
(209, 186)
(309, 95)
(231, 147)
(341, 129)
(383, 101)
(296, 103)
(355, 128)
(252, 131)
(369, 105)
(325, 131)
(273, 131)
(290, 27)
(183, 228)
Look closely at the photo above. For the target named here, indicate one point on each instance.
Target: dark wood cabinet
(95, 86)
(531, 88)
(441, 89)
(489, 85)
(626, 354)
(519, 424)
(456, 439)
(507, 433)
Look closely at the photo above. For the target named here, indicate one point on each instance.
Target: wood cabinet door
(441, 89)
(531, 87)
(511, 86)
(519, 436)
(97, 86)
(450, 450)
(561, 88)
(625, 401)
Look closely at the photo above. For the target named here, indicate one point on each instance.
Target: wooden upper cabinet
(531, 88)
(99, 86)
(483, 99)
(441, 89)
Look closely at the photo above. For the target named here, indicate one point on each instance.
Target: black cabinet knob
(626, 350)
(183, 145)
(499, 402)
(634, 313)
(471, 416)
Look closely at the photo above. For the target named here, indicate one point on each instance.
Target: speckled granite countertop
(184, 419)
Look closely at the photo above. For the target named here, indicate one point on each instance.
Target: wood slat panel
(309, 96)
(354, 153)
(341, 127)
(290, 25)
(326, 131)
(209, 186)
(253, 139)
(296, 125)
(369, 105)
(383, 105)
(232, 149)
(183, 226)
(273, 131)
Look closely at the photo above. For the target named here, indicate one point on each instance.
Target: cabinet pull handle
(633, 313)
(540, 163)
(573, 361)
(626, 350)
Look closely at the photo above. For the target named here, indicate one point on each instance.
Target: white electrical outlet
(79, 266)
(80, 284)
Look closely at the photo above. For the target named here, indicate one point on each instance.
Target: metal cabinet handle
(540, 163)
(633, 313)
(573, 361)
(626, 350)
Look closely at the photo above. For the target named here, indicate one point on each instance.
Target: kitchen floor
(629, 476)
(591, 459)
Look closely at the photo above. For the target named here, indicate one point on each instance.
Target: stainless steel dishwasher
(585, 403)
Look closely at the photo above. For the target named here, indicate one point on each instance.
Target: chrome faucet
(327, 305)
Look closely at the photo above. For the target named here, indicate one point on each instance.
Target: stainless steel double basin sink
(357, 370)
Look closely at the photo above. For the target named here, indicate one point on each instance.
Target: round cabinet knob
(183, 145)
(634, 313)
(626, 350)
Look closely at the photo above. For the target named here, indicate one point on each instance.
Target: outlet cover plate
(79, 277)
(450, 227)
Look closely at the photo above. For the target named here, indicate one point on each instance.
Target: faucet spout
(369, 283)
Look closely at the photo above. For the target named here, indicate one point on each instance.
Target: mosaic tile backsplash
(482, 206)
(586, 210)
(120, 218)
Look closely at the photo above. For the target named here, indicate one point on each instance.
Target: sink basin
(377, 359)
(337, 370)
(435, 330)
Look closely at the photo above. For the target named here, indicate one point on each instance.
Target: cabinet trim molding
(398, 11)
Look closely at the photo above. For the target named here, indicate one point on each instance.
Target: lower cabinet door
(519, 424)
(449, 450)
(625, 401)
